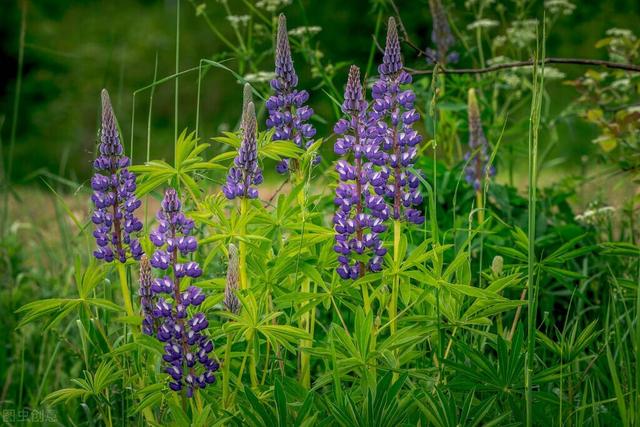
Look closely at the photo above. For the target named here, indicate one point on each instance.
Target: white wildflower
(510, 80)
(260, 77)
(483, 24)
(621, 84)
(621, 32)
(593, 216)
(552, 73)
(500, 59)
(499, 41)
(273, 5)
(481, 3)
(522, 33)
(237, 20)
(560, 7)
(302, 31)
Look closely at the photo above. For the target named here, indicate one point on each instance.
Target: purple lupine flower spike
(477, 157)
(286, 78)
(441, 36)
(392, 61)
(146, 296)
(247, 97)
(231, 301)
(245, 174)
(360, 213)
(187, 349)
(114, 195)
(393, 141)
(288, 114)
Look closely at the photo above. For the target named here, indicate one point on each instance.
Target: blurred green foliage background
(73, 48)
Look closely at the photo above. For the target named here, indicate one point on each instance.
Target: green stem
(536, 102)
(480, 203)
(124, 287)
(242, 366)
(148, 157)
(242, 249)
(305, 357)
(14, 117)
(253, 372)
(365, 298)
(226, 368)
(393, 303)
(637, 352)
(126, 295)
(480, 50)
(177, 83)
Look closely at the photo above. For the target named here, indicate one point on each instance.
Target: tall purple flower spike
(360, 213)
(477, 157)
(114, 195)
(441, 36)
(393, 141)
(245, 173)
(187, 348)
(288, 113)
(146, 297)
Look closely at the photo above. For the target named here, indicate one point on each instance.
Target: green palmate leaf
(470, 291)
(460, 260)
(66, 394)
(406, 338)
(281, 403)
(277, 150)
(266, 417)
(267, 148)
(509, 252)
(562, 272)
(106, 304)
(177, 411)
(37, 310)
(92, 385)
(88, 279)
(442, 409)
(187, 163)
(620, 249)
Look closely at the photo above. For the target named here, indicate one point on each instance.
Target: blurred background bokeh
(73, 48)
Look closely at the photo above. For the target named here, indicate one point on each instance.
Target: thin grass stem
(532, 286)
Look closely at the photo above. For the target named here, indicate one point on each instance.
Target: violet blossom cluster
(477, 157)
(393, 148)
(441, 36)
(245, 173)
(187, 349)
(113, 195)
(288, 113)
(360, 215)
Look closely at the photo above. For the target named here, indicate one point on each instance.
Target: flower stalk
(187, 348)
(244, 279)
(395, 287)
(478, 167)
(394, 151)
(113, 195)
(124, 288)
(288, 112)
